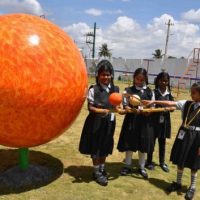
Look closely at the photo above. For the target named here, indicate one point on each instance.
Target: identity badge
(161, 120)
(112, 117)
(181, 134)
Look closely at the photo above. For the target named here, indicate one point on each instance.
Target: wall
(175, 67)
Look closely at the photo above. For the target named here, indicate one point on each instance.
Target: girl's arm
(94, 109)
(164, 103)
(91, 107)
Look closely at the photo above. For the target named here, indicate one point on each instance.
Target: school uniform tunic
(137, 129)
(186, 148)
(98, 130)
(162, 119)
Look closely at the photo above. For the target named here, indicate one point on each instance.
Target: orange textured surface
(115, 99)
(43, 80)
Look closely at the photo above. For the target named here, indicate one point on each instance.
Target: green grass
(73, 177)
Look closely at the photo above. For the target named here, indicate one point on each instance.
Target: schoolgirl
(137, 129)
(186, 148)
(162, 120)
(98, 130)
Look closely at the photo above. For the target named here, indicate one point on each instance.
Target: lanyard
(186, 124)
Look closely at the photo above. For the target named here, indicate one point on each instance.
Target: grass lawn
(73, 172)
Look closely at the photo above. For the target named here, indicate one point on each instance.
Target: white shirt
(196, 105)
(181, 104)
(141, 88)
(166, 92)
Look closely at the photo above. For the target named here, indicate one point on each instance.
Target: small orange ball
(115, 99)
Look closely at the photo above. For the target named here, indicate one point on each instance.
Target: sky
(130, 28)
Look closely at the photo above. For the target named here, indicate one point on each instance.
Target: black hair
(105, 65)
(196, 86)
(143, 72)
(159, 77)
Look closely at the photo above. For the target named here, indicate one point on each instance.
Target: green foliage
(158, 53)
(171, 57)
(104, 51)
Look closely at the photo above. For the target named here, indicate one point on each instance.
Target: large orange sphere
(43, 80)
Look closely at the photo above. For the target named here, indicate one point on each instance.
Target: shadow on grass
(42, 170)
(162, 184)
(159, 183)
(80, 173)
(84, 173)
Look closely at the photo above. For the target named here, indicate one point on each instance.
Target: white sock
(96, 168)
(179, 176)
(193, 180)
(141, 161)
(128, 159)
(102, 167)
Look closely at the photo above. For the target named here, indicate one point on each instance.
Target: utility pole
(93, 49)
(90, 39)
(166, 43)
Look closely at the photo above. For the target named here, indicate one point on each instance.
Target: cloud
(25, 6)
(183, 36)
(78, 31)
(93, 11)
(192, 16)
(97, 12)
(113, 11)
(123, 26)
(127, 38)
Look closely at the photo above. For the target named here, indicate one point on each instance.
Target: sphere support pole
(23, 158)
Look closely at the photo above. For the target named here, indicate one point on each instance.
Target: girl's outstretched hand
(147, 102)
(105, 111)
(120, 110)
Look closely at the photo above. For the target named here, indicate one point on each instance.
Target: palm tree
(158, 53)
(104, 51)
(171, 57)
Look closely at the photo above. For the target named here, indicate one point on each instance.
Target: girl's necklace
(186, 124)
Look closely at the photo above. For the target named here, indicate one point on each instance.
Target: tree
(104, 51)
(158, 53)
(171, 57)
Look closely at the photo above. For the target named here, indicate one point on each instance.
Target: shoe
(190, 193)
(125, 171)
(143, 173)
(100, 178)
(104, 173)
(164, 167)
(174, 187)
(150, 166)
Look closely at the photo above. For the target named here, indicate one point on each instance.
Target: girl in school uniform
(98, 130)
(186, 148)
(137, 129)
(162, 120)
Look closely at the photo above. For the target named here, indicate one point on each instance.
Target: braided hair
(196, 86)
(105, 65)
(160, 76)
(141, 71)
